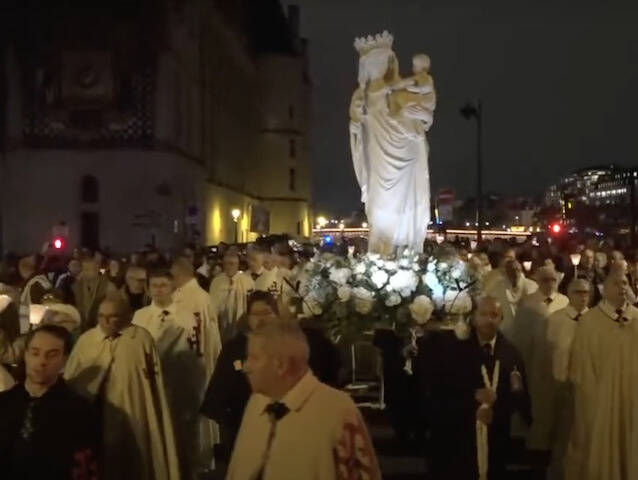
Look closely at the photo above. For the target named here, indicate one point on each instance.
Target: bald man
(603, 371)
(116, 365)
(229, 292)
(561, 328)
(460, 390)
(204, 339)
(295, 427)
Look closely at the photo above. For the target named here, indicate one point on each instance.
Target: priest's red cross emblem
(353, 457)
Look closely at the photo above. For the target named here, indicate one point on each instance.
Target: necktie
(276, 411)
(255, 276)
(28, 424)
(577, 317)
(164, 314)
(548, 300)
(487, 350)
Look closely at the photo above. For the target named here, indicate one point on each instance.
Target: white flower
(391, 266)
(404, 263)
(360, 269)
(379, 278)
(344, 293)
(404, 281)
(393, 299)
(363, 300)
(457, 272)
(431, 280)
(374, 268)
(340, 275)
(421, 309)
(443, 266)
(431, 266)
(380, 263)
(460, 304)
(437, 294)
(374, 256)
(416, 267)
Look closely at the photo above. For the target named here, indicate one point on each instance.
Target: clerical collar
(573, 313)
(609, 310)
(157, 310)
(259, 272)
(552, 296)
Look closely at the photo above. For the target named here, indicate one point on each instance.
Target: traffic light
(555, 228)
(58, 243)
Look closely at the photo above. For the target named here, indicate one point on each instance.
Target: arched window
(90, 189)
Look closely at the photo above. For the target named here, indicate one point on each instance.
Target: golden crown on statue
(380, 40)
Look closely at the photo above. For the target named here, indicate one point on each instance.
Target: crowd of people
(167, 366)
(559, 320)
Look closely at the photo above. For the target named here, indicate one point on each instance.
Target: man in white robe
(265, 280)
(509, 290)
(204, 339)
(603, 370)
(529, 334)
(295, 427)
(561, 328)
(116, 365)
(184, 375)
(498, 274)
(228, 292)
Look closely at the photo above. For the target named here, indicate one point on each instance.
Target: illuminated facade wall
(177, 127)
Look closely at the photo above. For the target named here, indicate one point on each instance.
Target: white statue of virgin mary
(388, 120)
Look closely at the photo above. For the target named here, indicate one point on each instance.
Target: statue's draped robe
(390, 156)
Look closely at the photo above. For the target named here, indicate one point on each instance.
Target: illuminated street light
(236, 212)
(322, 221)
(364, 225)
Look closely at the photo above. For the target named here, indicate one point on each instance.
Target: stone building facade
(149, 122)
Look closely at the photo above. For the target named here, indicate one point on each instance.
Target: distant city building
(595, 186)
(150, 122)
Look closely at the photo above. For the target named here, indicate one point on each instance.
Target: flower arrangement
(352, 295)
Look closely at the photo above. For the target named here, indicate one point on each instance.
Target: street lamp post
(236, 213)
(474, 111)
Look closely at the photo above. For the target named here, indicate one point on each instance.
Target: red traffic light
(556, 228)
(58, 243)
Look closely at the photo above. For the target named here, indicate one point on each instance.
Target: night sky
(558, 83)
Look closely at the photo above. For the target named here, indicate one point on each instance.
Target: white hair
(284, 338)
